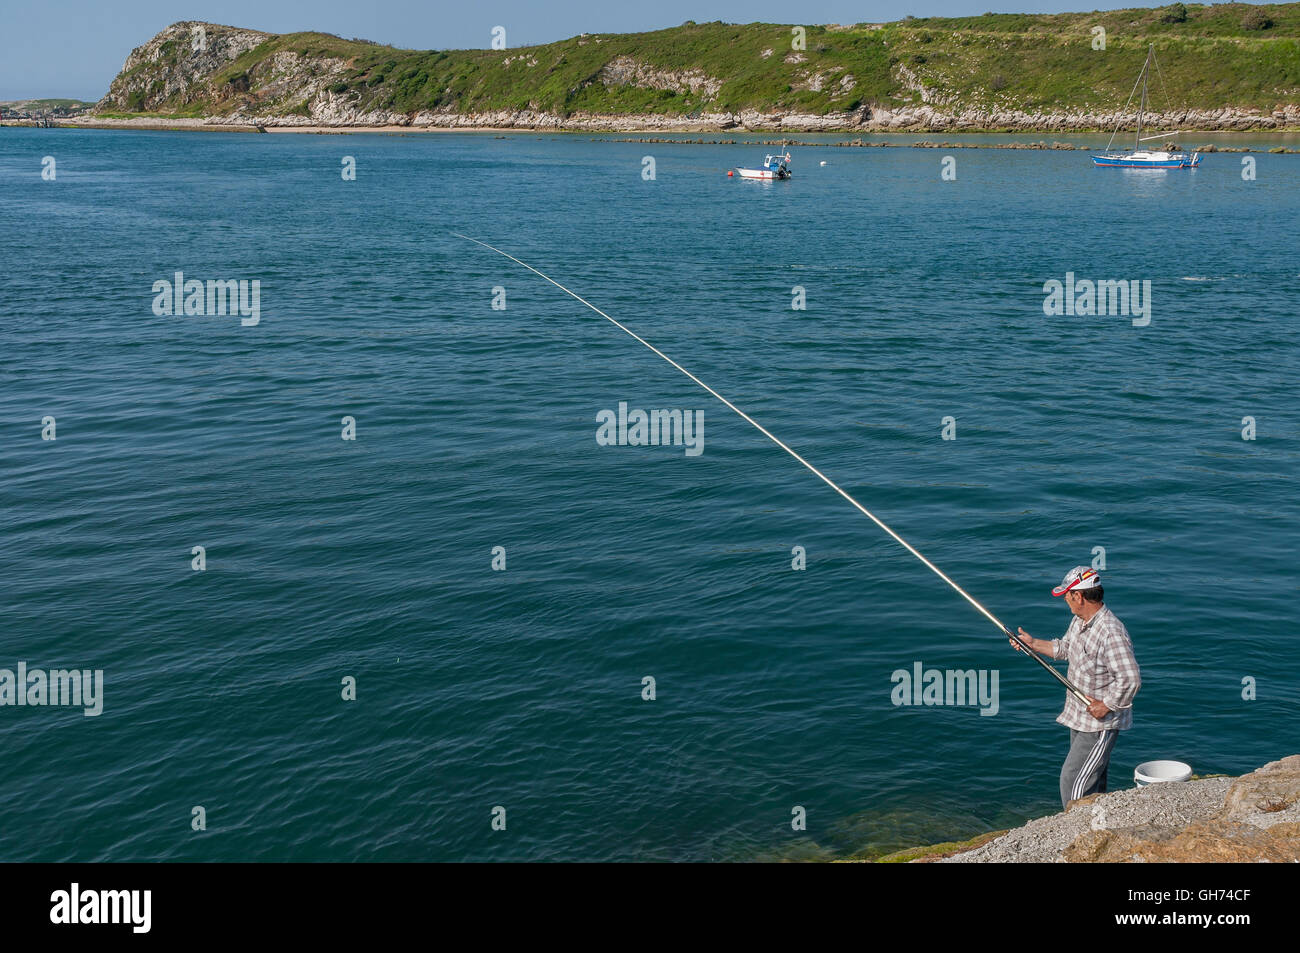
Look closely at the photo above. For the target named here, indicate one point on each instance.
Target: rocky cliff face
(628, 71)
(177, 63)
(193, 62)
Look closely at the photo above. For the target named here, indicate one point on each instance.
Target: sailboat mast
(1146, 69)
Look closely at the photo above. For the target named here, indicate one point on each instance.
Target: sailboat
(1139, 158)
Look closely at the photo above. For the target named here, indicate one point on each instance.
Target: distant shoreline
(680, 137)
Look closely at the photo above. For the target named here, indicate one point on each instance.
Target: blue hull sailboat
(1139, 158)
(1150, 160)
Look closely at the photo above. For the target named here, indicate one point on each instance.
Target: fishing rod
(824, 478)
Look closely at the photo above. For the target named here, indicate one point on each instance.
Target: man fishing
(1097, 644)
(1104, 669)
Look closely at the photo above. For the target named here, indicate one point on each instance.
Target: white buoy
(1158, 772)
(823, 162)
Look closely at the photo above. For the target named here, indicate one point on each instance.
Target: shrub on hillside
(1174, 13)
(1256, 19)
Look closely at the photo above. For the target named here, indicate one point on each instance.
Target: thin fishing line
(776, 440)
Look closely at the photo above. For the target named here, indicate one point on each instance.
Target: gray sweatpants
(1084, 771)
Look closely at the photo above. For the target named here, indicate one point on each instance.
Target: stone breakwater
(1253, 818)
(927, 144)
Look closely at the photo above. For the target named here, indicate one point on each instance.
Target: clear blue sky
(74, 48)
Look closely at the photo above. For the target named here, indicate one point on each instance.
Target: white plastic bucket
(1158, 772)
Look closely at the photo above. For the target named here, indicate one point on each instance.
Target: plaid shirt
(1102, 666)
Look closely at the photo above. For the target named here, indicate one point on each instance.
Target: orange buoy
(730, 173)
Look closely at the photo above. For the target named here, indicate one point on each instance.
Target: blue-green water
(475, 428)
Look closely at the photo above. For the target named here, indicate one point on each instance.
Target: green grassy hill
(44, 105)
(1225, 55)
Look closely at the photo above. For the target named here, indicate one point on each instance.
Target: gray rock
(1144, 812)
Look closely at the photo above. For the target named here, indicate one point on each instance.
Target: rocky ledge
(1253, 818)
(328, 110)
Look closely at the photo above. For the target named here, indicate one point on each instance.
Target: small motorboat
(774, 167)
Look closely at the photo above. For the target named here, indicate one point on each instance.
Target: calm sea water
(475, 428)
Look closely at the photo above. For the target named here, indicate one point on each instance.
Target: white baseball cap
(1080, 577)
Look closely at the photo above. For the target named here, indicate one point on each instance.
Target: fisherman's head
(1082, 591)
